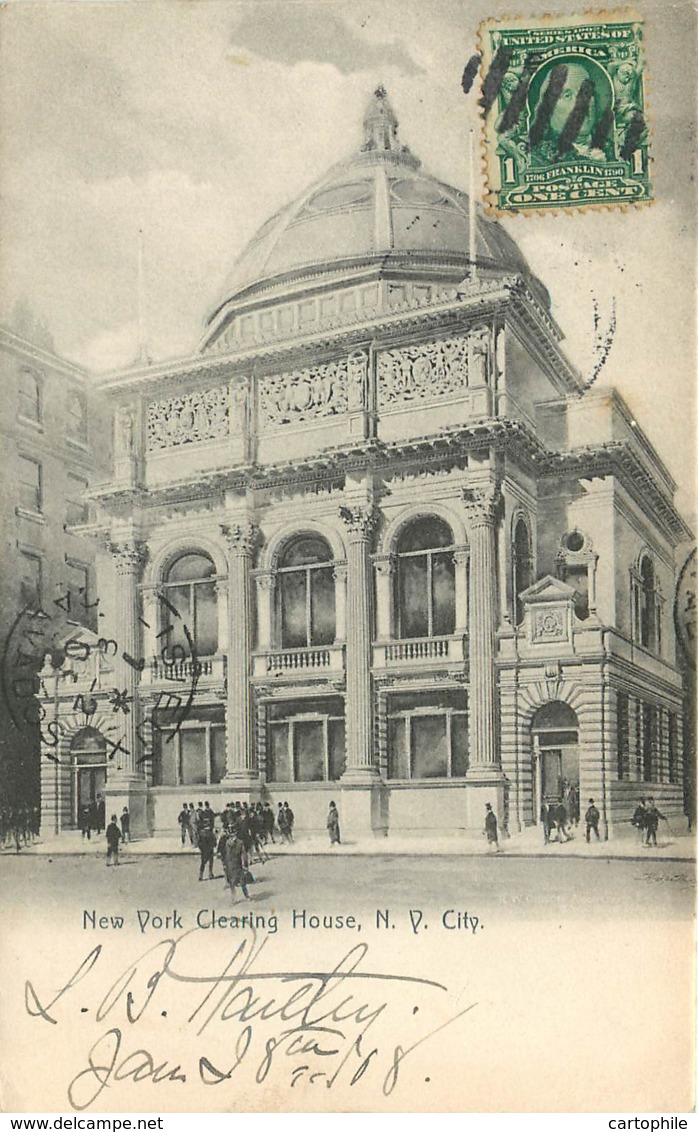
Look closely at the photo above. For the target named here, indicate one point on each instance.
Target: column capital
(359, 520)
(129, 555)
(242, 538)
(461, 556)
(483, 502)
(339, 572)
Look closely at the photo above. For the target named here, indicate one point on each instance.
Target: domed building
(375, 543)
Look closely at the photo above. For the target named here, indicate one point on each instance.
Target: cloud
(315, 35)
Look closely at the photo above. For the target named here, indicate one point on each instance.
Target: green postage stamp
(563, 104)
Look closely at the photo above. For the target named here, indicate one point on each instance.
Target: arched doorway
(555, 753)
(88, 762)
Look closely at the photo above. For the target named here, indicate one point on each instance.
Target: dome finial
(380, 123)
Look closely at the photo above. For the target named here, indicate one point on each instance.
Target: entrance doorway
(555, 755)
(88, 758)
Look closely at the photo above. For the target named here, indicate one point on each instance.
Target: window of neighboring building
(428, 736)
(522, 566)
(306, 741)
(649, 612)
(575, 561)
(77, 508)
(649, 742)
(191, 753)
(77, 417)
(30, 493)
(426, 582)
(673, 750)
(30, 584)
(76, 588)
(29, 396)
(191, 596)
(306, 593)
(623, 735)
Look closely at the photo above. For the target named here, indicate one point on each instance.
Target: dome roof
(377, 205)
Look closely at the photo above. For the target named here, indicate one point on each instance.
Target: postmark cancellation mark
(563, 112)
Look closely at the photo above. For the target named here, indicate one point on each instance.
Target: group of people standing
(258, 819)
(19, 826)
(646, 820)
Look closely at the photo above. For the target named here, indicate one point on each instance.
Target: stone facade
(391, 555)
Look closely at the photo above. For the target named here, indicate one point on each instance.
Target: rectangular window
(673, 750)
(428, 735)
(77, 509)
(76, 587)
(30, 495)
(649, 742)
(30, 580)
(305, 749)
(308, 751)
(29, 396)
(218, 757)
(623, 735)
(193, 756)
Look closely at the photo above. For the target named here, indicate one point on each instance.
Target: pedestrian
(639, 820)
(125, 820)
(269, 822)
(183, 819)
(93, 815)
(290, 819)
(591, 818)
(652, 817)
(560, 814)
(113, 839)
(545, 822)
(84, 821)
(192, 825)
(572, 803)
(206, 839)
(282, 824)
(333, 825)
(491, 829)
(101, 813)
(235, 866)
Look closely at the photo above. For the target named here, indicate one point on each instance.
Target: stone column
(126, 785)
(129, 557)
(240, 761)
(484, 771)
(359, 522)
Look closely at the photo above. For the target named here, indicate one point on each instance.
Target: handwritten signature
(311, 1026)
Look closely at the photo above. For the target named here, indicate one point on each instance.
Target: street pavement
(674, 843)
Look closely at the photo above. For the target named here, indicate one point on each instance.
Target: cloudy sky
(197, 120)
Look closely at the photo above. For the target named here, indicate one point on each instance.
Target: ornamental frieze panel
(303, 395)
(189, 419)
(424, 371)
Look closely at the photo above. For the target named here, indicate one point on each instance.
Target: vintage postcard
(347, 716)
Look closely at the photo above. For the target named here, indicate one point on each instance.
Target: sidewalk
(675, 846)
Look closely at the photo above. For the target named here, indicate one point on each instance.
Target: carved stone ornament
(359, 521)
(125, 424)
(304, 394)
(423, 372)
(358, 381)
(242, 538)
(385, 565)
(548, 625)
(482, 503)
(266, 582)
(129, 556)
(189, 419)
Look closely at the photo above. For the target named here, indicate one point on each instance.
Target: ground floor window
(428, 735)
(193, 753)
(306, 741)
(649, 739)
(673, 751)
(623, 735)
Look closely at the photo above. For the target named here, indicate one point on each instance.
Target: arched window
(648, 604)
(306, 593)
(190, 594)
(29, 396)
(77, 417)
(426, 583)
(523, 567)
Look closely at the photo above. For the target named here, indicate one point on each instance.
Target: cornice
(39, 357)
(617, 458)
